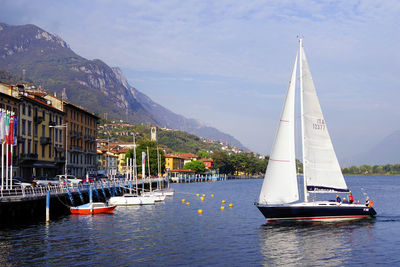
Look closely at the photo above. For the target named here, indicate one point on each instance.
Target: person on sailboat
(351, 199)
(345, 200)
(338, 199)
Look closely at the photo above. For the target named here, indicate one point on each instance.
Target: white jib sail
(321, 168)
(280, 182)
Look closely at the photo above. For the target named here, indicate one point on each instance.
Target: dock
(29, 204)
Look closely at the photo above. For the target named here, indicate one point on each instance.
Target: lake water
(173, 233)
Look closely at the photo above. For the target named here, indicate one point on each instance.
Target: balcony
(29, 156)
(73, 134)
(59, 159)
(75, 149)
(37, 119)
(52, 123)
(59, 149)
(45, 141)
(79, 136)
(91, 152)
(89, 138)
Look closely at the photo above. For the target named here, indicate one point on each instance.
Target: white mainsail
(322, 172)
(280, 182)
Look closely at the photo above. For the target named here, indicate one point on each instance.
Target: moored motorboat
(169, 192)
(132, 199)
(159, 196)
(93, 208)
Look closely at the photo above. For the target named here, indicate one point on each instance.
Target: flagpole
(3, 117)
(2, 165)
(6, 166)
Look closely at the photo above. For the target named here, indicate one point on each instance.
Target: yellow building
(40, 146)
(82, 133)
(173, 162)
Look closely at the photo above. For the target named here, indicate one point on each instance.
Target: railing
(41, 191)
(29, 156)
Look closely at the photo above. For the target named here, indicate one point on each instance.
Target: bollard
(48, 207)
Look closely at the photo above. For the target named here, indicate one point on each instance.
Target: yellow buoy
(230, 205)
(200, 211)
(223, 201)
(204, 195)
(183, 200)
(188, 203)
(202, 198)
(197, 195)
(212, 195)
(222, 207)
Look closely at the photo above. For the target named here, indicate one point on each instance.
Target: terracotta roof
(209, 160)
(187, 155)
(173, 156)
(43, 103)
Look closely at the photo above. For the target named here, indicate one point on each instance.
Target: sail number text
(319, 125)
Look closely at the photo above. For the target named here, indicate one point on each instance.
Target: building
(154, 134)
(11, 104)
(40, 144)
(80, 136)
(208, 163)
(173, 162)
(188, 157)
(107, 162)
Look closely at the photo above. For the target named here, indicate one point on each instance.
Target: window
(29, 146)
(23, 146)
(23, 108)
(29, 111)
(23, 126)
(35, 147)
(43, 131)
(43, 152)
(44, 115)
(35, 130)
(29, 128)
(56, 135)
(50, 151)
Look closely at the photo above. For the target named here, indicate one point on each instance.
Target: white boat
(168, 192)
(132, 199)
(279, 196)
(159, 196)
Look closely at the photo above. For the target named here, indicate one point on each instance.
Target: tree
(196, 165)
(203, 154)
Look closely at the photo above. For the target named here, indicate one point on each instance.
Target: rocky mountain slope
(48, 61)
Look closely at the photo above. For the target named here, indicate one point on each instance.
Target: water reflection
(313, 244)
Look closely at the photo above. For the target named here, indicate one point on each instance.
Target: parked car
(46, 181)
(68, 179)
(23, 182)
(84, 180)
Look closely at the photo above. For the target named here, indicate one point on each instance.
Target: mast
(302, 118)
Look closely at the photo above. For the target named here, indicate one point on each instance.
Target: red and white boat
(92, 208)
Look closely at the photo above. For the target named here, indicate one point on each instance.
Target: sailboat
(131, 199)
(279, 196)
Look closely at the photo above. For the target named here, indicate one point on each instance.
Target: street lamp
(66, 143)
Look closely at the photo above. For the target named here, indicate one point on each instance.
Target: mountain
(49, 62)
(386, 151)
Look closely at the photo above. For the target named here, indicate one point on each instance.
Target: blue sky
(227, 63)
